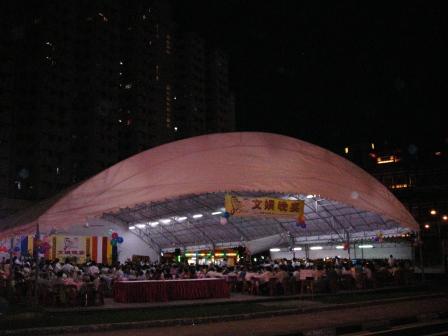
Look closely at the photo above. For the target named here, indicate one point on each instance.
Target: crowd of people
(18, 276)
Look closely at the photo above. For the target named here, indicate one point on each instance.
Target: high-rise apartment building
(88, 83)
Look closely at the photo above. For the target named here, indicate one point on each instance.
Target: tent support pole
(36, 260)
(421, 257)
(348, 244)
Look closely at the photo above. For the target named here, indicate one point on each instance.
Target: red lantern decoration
(114, 235)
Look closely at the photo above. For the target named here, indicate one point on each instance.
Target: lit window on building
(346, 150)
(387, 159)
(399, 186)
(168, 105)
(128, 86)
(168, 44)
(372, 145)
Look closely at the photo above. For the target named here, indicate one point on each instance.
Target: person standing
(391, 261)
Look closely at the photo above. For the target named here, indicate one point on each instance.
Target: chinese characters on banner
(264, 206)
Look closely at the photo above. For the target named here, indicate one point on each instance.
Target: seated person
(214, 274)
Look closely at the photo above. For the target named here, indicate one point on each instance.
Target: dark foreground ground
(346, 313)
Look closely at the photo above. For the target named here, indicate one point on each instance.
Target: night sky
(332, 73)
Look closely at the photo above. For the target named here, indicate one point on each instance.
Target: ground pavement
(290, 324)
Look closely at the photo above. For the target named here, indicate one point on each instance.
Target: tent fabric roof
(216, 163)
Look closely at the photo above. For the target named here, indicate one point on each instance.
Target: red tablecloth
(164, 290)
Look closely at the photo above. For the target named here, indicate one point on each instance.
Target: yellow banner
(263, 206)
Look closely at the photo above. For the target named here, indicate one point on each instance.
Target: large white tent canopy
(172, 183)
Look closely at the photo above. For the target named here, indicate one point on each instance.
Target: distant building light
(275, 249)
(445, 217)
(433, 212)
(346, 150)
(128, 86)
(427, 226)
(372, 145)
(175, 128)
(387, 159)
(399, 186)
(438, 153)
(104, 18)
(121, 62)
(120, 121)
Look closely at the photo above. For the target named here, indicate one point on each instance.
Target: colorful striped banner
(88, 249)
(53, 248)
(104, 250)
(109, 251)
(26, 245)
(94, 255)
(99, 249)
